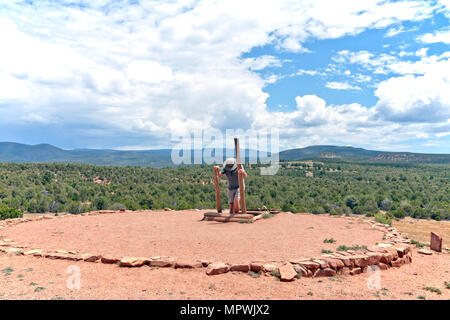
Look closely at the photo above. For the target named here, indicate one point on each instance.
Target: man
(231, 171)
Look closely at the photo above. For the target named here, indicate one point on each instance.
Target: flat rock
(327, 272)
(133, 262)
(303, 271)
(287, 272)
(425, 251)
(217, 268)
(335, 263)
(90, 257)
(309, 264)
(34, 252)
(355, 271)
(269, 267)
(109, 260)
(256, 267)
(161, 262)
(240, 267)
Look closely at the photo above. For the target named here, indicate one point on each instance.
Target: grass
(432, 289)
(37, 289)
(254, 274)
(212, 286)
(276, 274)
(345, 248)
(7, 271)
(326, 251)
(331, 240)
(421, 297)
(267, 215)
(419, 244)
(447, 285)
(33, 284)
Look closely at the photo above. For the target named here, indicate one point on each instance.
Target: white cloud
(156, 67)
(341, 86)
(440, 36)
(410, 98)
(262, 62)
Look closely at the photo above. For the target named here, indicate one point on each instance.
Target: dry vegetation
(419, 229)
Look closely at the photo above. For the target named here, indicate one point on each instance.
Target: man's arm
(244, 174)
(219, 173)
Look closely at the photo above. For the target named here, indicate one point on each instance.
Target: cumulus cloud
(341, 86)
(411, 98)
(139, 71)
(440, 36)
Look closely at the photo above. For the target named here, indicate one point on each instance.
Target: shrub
(351, 202)
(383, 218)
(8, 213)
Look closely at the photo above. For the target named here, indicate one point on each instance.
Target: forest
(394, 190)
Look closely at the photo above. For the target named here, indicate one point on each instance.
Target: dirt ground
(26, 277)
(181, 234)
(38, 278)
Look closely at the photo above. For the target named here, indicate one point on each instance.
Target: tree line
(396, 190)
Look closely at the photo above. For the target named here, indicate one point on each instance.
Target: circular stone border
(394, 251)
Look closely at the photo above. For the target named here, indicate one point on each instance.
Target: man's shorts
(232, 194)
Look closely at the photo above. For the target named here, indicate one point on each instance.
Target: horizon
(129, 75)
(259, 150)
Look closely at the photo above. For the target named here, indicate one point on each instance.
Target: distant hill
(352, 154)
(22, 153)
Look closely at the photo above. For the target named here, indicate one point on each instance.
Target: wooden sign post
(241, 178)
(216, 182)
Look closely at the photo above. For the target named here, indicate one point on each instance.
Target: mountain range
(23, 153)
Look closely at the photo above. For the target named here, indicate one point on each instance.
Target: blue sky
(131, 74)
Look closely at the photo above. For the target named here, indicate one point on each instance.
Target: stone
(161, 262)
(309, 265)
(240, 267)
(374, 258)
(355, 271)
(383, 266)
(34, 252)
(188, 265)
(327, 272)
(397, 263)
(393, 252)
(360, 261)
(133, 262)
(109, 260)
(347, 261)
(386, 257)
(401, 250)
(287, 272)
(300, 270)
(256, 267)
(205, 263)
(425, 251)
(269, 267)
(217, 268)
(334, 263)
(436, 242)
(90, 257)
(384, 245)
(322, 264)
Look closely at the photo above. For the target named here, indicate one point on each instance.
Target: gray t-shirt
(233, 178)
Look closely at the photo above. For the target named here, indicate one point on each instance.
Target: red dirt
(181, 234)
(101, 281)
